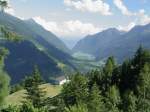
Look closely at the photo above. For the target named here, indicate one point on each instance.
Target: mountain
(22, 58)
(92, 43)
(47, 35)
(38, 47)
(112, 42)
(31, 30)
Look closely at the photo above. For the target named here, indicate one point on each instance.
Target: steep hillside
(39, 47)
(96, 42)
(48, 36)
(22, 58)
(27, 32)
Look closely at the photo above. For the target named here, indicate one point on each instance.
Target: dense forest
(112, 87)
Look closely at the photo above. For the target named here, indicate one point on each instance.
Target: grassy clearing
(17, 97)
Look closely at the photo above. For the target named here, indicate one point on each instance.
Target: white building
(61, 80)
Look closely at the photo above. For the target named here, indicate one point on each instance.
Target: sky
(72, 20)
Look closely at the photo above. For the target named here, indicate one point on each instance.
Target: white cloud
(119, 4)
(73, 28)
(128, 27)
(10, 11)
(95, 6)
(143, 18)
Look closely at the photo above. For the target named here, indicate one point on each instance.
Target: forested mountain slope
(112, 42)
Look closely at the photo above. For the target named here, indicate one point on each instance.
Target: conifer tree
(108, 72)
(144, 89)
(34, 93)
(95, 100)
(129, 102)
(113, 99)
(76, 90)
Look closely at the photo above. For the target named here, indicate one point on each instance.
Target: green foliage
(11, 109)
(76, 90)
(9, 35)
(123, 88)
(108, 72)
(77, 108)
(34, 93)
(144, 89)
(4, 86)
(95, 100)
(129, 102)
(109, 67)
(113, 99)
(3, 52)
(16, 88)
(4, 78)
(28, 107)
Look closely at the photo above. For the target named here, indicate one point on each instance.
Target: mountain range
(112, 42)
(44, 49)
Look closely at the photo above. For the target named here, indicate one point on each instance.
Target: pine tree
(95, 76)
(108, 72)
(129, 102)
(126, 76)
(109, 67)
(95, 100)
(34, 93)
(113, 99)
(144, 89)
(76, 90)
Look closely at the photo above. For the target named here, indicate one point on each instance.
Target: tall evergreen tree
(109, 67)
(113, 99)
(95, 100)
(108, 72)
(34, 93)
(76, 90)
(126, 77)
(129, 102)
(144, 89)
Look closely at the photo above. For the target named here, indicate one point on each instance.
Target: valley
(74, 56)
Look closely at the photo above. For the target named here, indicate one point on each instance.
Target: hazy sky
(74, 19)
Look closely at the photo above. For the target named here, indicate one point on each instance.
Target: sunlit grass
(18, 97)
